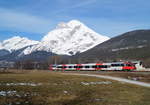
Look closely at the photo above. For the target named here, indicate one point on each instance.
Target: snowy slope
(68, 39)
(16, 43)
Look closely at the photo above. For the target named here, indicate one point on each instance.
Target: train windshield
(129, 64)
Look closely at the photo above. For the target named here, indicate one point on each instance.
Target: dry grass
(138, 76)
(58, 89)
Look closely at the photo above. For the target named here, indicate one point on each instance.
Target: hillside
(134, 45)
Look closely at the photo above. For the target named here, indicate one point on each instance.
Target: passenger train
(113, 66)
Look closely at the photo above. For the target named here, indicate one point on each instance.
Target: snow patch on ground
(96, 83)
(7, 93)
(21, 84)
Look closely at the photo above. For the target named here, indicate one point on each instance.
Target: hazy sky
(35, 18)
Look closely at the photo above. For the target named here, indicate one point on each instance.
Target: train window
(64, 67)
(79, 66)
(87, 66)
(122, 64)
(75, 66)
(53, 66)
(94, 66)
(128, 65)
(104, 66)
(97, 66)
(114, 65)
(101, 66)
(140, 63)
(59, 67)
(70, 66)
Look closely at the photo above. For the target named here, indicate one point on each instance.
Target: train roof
(97, 63)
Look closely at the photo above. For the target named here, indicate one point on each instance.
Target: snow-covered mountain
(16, 43)
(68, 39)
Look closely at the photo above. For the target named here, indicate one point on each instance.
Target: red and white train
(118, 66)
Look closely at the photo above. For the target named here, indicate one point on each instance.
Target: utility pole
(35, 65)
(21, 65)
(55, 60)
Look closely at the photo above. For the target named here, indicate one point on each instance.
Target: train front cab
(129, 67)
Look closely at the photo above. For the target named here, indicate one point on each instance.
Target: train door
(78, 66)
(98, 66)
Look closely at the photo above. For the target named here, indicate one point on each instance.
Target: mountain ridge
(66, 39)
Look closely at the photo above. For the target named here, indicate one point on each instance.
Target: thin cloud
(86, 2)
(78, 5)
(25, 22)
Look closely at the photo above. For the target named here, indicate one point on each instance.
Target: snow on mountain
(16, 43)
(68, 39)
(0, 45)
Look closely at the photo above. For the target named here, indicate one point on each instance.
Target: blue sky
(35, 18)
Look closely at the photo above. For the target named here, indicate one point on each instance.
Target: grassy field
(54, 88)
